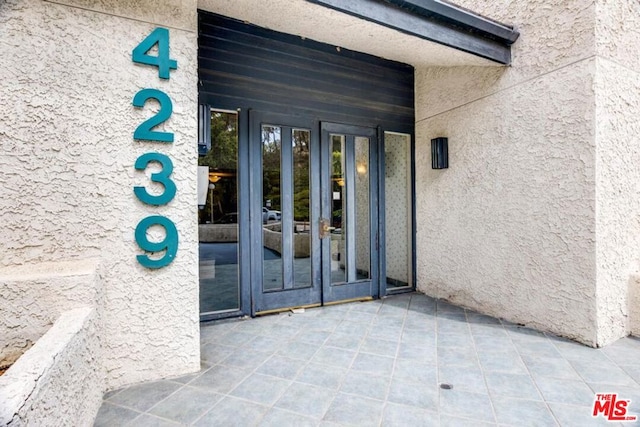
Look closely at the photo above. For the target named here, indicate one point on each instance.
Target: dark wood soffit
(435, 21)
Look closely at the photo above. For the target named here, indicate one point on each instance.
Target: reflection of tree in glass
(271, 142)
(301, 140)
(222, 158)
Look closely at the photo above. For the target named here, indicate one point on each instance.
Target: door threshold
(281, 310)
(345, 301)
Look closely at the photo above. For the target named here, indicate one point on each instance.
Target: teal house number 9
(168, 247)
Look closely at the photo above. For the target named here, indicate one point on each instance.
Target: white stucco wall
(66, 175)
(509, 229)
(56, 382)
(542, 192)
(32, 298)
(618, 173)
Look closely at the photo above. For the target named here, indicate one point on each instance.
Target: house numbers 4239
(157, 254)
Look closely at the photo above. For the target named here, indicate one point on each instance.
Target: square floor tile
(575, 351)
(456, 340)
(298, 350)
(280, 418)
(146, 420)
(550, 367)
(366, 385)
(335, 357)
(395, 415)
(462, 403)
(306, 399)
(186, 405)
(412, 371)
(354, 330)
(144, 396)
(263, 344)
(457, 357)
(232, 412)
(452, 421)
(499, 361)
(380, 347)
(312, 336)
(215, 353)
(565, 391)
(221, 379)
(609, 374)
(281, 367)
(538, 349)
(424, 396)
(463, 378)
(578, 416)
(344, 341)
(322, 375)
(234, 338)
(382, 332)
(262, 389)
(523, 413)
(419, 353)
(244, 359)
(512, 385)
(493, 343)
(373, 364)
(354, 410)
(113, 415)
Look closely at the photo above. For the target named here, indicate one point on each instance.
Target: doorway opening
(297, 172)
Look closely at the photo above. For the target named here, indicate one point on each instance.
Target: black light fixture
(204, 129)
(439, 153)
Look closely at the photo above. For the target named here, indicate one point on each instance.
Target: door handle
(324, 230)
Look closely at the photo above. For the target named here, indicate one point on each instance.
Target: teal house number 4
(162, 253)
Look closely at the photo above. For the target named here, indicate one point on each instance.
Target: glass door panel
(301, 140)
(284, 205)
(218, 217)
(398, 212)
(350, 200)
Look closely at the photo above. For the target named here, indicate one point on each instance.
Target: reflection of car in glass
(275, 215)
(269, 215)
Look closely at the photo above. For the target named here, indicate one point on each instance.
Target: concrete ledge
(218, 233)
(32, 297)
(58, 380)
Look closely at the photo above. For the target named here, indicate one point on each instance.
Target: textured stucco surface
(618, 32)
(398, 206)
(323, 24)
(618, 196)
(552, 35)
(59, 381)
(32, 299)
(67, 173)
(509, 228)
(553, 192)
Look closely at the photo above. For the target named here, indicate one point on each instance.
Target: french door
(314, 214)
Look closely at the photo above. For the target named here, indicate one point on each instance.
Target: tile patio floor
(381, 363)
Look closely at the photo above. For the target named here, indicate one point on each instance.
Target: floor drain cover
(446, 386)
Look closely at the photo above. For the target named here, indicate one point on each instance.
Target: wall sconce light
(439, 153)
(204, 129)
(361, 168)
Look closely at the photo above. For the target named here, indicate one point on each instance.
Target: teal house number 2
(145, 132)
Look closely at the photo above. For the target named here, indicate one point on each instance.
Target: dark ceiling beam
(435, 21)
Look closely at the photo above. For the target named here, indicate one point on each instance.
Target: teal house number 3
(162, 253)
